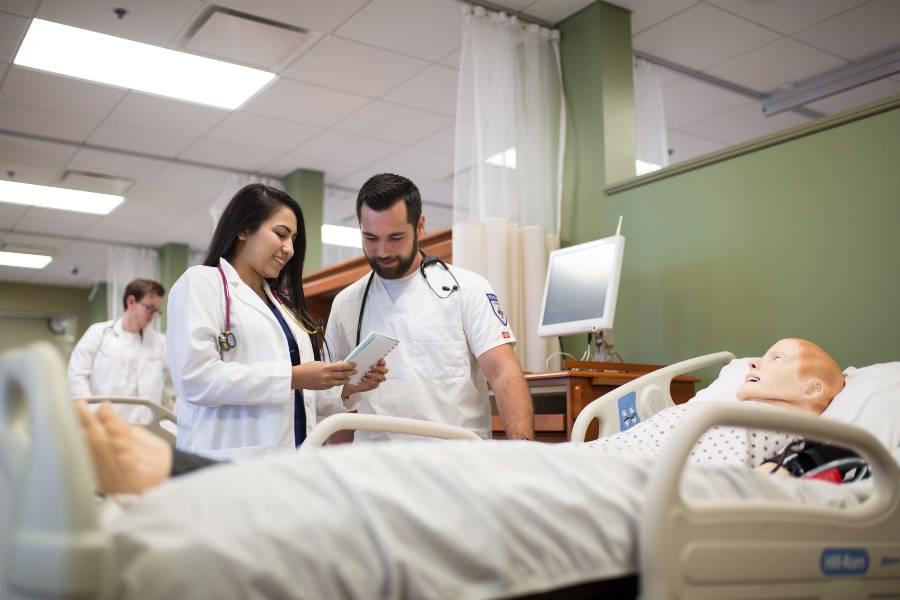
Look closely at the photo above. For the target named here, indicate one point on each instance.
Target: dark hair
(384, 190)
(252, 205)
(140, 288)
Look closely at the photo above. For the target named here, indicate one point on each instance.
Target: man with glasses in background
(124, 357)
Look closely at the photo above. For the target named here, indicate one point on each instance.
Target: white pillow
(870, 399)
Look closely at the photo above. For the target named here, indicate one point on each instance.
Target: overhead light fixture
(832, 82)
(337, 235)
(44, 196)
(507, 159)
(84, 54)
(24, 260)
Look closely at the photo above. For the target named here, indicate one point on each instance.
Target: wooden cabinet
(560, 396)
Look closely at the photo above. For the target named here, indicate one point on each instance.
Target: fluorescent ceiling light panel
(123, 63)
(44, 196)
(341, 236)
(24, 261)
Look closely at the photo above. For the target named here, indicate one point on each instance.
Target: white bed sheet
(450, 520)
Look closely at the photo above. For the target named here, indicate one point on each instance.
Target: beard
(403, 262)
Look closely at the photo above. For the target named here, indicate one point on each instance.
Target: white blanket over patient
(413, 520)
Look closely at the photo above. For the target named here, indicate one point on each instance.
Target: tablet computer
(372, 349)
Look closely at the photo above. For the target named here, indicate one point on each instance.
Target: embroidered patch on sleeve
(505, 335)
(495, 306)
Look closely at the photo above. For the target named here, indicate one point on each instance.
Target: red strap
(831, 476)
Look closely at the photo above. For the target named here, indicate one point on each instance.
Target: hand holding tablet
(369, 351)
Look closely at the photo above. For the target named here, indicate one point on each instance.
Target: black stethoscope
(226, 339)
(427, 261)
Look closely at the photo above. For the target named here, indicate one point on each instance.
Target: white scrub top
(239, 403)
(434, 373)
(109, 361)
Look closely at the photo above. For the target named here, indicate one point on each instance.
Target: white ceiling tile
(335, 63)
(89, 256)
(52, 92)
(15, 275)
(452, 59)
(4, 67)
(23, 8)
(135, 138)
(393, 123)
(689, 100)
(514, 5)
(417, 164)
(304, 103)
(90, 269)
(781, 62)
(229, 155)
(28, 173)
(787, 17)
(195, 230)
(877, 90)
(668, 76)
(289, 163)
(115, 163)
(52, 124)
(155, 112)
(646, 13)
(869, 29)
(743, 124)
(54, 244)
(58, 276)
(346, 149)
(435, 192)
(10, 215)
(428, 29)
(138, 218)
(702, 36)
(555, 11)
(152, 192)
(210, 182)
(684, 146)
(442, 141)
(314, 15)
(12, 30)
(34, 151)
(261, 132)
(56, 222)
(432, 89)
(156, 22)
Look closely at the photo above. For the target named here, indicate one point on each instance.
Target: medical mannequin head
(142, 301)
(389, 209)
(793, 373)
(262, 234)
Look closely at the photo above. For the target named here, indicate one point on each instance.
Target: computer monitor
(581, 288)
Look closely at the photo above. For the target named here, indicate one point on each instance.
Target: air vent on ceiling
(96, 182)
(246, 39)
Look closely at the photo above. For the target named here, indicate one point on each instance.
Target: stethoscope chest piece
(227, 341)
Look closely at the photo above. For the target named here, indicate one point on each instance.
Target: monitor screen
(581, 287)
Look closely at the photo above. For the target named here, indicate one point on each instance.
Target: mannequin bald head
(794, 373)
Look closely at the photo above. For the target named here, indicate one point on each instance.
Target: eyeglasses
(151, 310)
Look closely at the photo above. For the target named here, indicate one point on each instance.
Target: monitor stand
(604, 350)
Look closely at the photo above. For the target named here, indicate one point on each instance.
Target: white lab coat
(239, 403)
(99, 365)
(434, 373)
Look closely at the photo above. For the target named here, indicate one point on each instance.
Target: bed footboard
(56, 547)
(770, 550)
(645, 396)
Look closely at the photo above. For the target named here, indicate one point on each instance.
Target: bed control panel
(628, 416)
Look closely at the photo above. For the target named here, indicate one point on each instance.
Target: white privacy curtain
(508, 165)
(651, 141)
(124, 264)
(235, 182)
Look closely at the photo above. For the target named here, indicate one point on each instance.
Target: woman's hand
(371, 380)
(318, 375)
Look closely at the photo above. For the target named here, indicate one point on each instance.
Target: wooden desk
(559, 396)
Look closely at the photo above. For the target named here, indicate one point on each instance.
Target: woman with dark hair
(242, 346)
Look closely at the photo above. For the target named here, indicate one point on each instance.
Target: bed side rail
(353, 421)
(765, 550)
(57, 547)
(160, 414)
(639, 399)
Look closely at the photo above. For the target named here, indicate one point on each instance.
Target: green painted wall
(799, 239)
(173, 261)
(97, 309)
(308, 189)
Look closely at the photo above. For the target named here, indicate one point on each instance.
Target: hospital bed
(57, 548)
